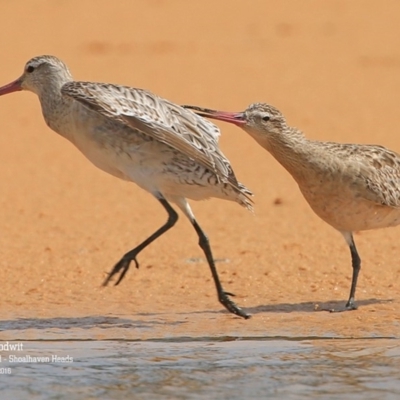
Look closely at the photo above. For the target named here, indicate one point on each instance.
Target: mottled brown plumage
(352, 187)
(137, 136)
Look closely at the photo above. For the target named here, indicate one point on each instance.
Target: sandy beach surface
(333, 69)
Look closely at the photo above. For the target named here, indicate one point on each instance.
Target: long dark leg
(126, 260)
(356, 264)
(222, 295)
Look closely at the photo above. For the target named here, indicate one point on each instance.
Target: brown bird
(137, 136)
(352, 187)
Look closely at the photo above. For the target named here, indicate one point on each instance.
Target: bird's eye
(266, 118)
(30, 69)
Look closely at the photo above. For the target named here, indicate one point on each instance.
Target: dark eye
(266, 118)
(30, 69)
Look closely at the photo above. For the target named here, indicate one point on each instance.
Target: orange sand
(332, 67)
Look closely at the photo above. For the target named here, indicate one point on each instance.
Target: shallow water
(181, 368)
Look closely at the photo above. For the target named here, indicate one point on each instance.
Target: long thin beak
(11, 87)
(237, 118)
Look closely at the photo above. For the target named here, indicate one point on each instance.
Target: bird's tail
(244, 197)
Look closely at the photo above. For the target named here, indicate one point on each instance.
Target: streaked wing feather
(383, 183)
(378, 175)
(163, 135)
(157, 118)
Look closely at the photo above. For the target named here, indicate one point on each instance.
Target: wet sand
(332, 68)
(312, 369)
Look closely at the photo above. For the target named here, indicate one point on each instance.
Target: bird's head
(40, 73)
(259, 119)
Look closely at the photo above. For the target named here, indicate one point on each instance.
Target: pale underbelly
(151, 170)
(355, 214)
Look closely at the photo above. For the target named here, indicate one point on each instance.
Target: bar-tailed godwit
(137, 136)
(352, 187)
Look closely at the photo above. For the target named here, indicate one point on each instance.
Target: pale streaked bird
(137, 136)
(352, 187)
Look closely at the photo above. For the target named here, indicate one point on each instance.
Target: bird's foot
(350, 306)
(231, 306)
(122, 265)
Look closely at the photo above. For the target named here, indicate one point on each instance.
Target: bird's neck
(55, 107)
(291, 149)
